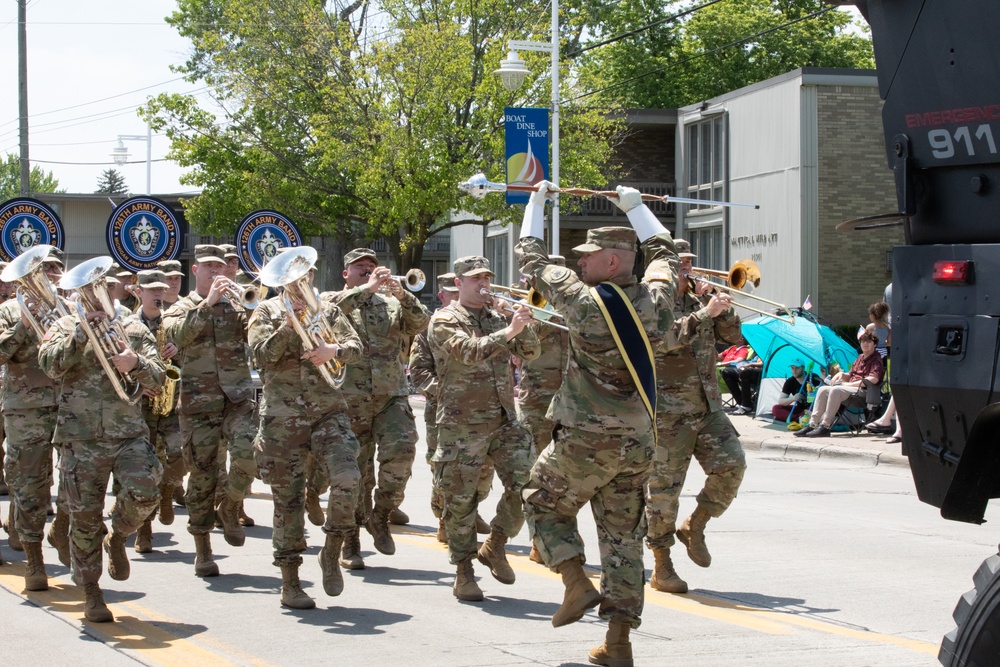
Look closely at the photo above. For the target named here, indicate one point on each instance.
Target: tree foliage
(39, 180)
(715, 49)
(111, 183)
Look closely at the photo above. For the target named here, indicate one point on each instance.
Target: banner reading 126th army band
(143, 231)
(261, 235)
(25, 223)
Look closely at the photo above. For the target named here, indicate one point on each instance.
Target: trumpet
(290, 270)
(249, 295)
(743, 272)
(544, 311)
(414, 280)
(27, 270)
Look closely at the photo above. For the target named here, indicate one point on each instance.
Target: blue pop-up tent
(779, 343)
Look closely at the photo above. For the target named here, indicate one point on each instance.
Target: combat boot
(245, 519)
(292, 595)
(204, 565)
(144, 537)
(493, 556)
(442, 535)
(580, 594)
(229, 514)
(4, 489)
(692, 535)
(535, 556)
(13, 539)
(333, 578)
(378, 526)
(35, 578)
(482, 526)
(616, 651)
(58, 536)
(166, 505)
(118, 565)
(398, 517)
(94, 609)
(665, 578)
(350, 558)
(179, 496)
(313, 509)
(466, 587)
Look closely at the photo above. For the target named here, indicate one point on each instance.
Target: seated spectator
(884, 424)
(794, 393)
(866, 368)
(878, 314)
(735, 353)
(741, 373)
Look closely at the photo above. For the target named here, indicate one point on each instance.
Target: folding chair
(860, 408)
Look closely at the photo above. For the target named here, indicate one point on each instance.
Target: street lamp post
(512, 73)
(120, 153)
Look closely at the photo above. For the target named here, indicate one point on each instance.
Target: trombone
(741, 273)
(531, 300)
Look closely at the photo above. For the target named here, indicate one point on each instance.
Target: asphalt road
(818, 562)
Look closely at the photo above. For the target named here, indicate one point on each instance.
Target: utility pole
(22, 93)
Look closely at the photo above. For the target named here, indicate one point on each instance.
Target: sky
(90, 66)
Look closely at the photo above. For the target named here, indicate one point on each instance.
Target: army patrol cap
(55, 256)
(209, 253)
(230, 250)
(472, 265)
(358, 254)
(683, 249)
(446, 282)
(152, 279)
(609, 238)
(170, 267)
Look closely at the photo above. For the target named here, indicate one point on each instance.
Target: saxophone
(163, 404)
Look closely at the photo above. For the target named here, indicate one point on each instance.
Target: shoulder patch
(659, 275)
(443, 316)
(558, 274)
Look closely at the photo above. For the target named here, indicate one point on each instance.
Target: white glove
(533, 224)
(627, 199)
(541, 194)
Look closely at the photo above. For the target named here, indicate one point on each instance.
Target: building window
(707, 243)
(496, 252)
(706, 161)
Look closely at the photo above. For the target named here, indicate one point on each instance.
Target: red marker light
(953, 272)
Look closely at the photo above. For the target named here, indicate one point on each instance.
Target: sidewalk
(759, 435)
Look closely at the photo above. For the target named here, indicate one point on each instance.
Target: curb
(785, 446)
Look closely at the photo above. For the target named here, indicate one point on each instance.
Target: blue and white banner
(261, 235)
(143, 231)
(527, 141)
(25, 223)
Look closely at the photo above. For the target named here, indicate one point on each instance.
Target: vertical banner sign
(261, 235)
(143, 231)
(25, 223)
(527, 141)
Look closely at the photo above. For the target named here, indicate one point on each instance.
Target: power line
(92, 164)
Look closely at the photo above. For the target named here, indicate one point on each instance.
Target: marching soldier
(603, 440)
(690, 422)
(476, 419)
(121, 288)
(101, 435)
(216, 402)
(302, 416)
(6, 292)
(173, 276)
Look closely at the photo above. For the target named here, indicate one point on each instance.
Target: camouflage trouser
(437, 498)
(713, 441)
(28, 468)
(532, 414)
(204, 435)
(165, 432)
(3, 446)
(84, 469)
(283, 446)
(608, 472)
(461, 453)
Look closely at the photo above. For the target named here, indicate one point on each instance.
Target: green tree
(10, 179)
(111, 183)
(357, 127)
(715, 49)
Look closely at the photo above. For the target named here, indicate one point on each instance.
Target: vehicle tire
(975, 642)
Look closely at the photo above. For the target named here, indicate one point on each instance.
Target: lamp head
(512, 71)
(120, 153)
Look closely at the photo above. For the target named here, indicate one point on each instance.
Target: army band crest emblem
(261, 236)
(25, 223)
(143, 231)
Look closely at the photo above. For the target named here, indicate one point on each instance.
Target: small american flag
(807, 304)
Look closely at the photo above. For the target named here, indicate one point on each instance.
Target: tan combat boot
(398, 517)
(350, 558)
(58, 536)
(179, 496)
(692, 535)
(665, 578)
(245, 519)
(144, 537)
(378, 526)
(292, 595)
(466, 587)
(493, 556)
(35, 578)
(313, 509)
(166, 510)
(482, 525)
(333, 578)
(94, 609)
(580, 594)
(204, 565)
(13, 539)
(442, 535)
(535, 556)
(229, 514)
(118, 566)
(616, 651)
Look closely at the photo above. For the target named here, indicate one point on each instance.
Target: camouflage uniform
(29, 416)
(603, 443)
(216, 401)
(377, 394)
(540, 380)
(101, 435)
(476, 419)
(690, 420)
(301, 415)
